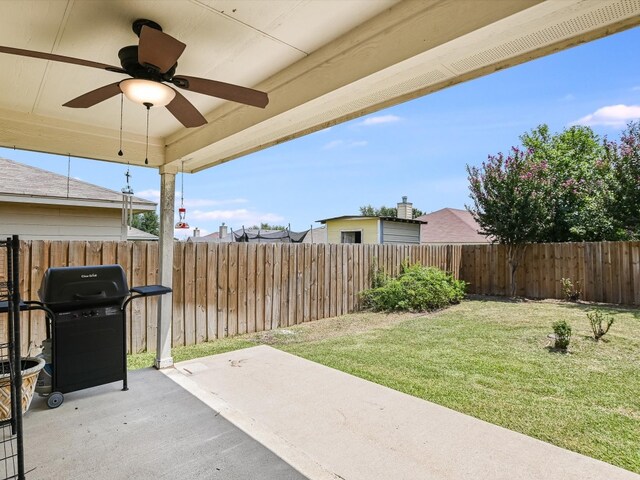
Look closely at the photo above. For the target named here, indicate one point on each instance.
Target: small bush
(597, 318)
(378, 275)
(563, 334)
(571, 292)
(416, 289)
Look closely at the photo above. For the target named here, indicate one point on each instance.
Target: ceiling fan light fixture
(144, 92)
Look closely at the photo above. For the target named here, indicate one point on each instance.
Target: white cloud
(150, 194)
(240, 216)
(345, 144)
(203, 202)
(333, 144)
(379, 120)
(612, 115)
(154, 196)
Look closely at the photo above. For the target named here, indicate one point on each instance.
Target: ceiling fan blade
(59, 58)
(158, 49)
(227, 91)
(185, 112)
(94, 97)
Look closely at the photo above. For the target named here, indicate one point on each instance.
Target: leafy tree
(266, 226)
(561, 187)
(580, 183)
(510, 204)
(147, 222)
(624, 158)
(370, 211)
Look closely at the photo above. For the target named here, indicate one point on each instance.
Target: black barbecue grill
(86, 324)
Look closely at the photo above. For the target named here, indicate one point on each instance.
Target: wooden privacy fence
(221, 290)
(607, 271)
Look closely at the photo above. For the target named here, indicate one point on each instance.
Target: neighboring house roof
(26, 184)
(451, 225)
(360, 217)
(212, 237)
(136, 234)
(316, 235)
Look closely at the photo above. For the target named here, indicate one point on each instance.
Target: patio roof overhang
(321, 62)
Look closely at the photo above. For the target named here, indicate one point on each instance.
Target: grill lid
(77, 287)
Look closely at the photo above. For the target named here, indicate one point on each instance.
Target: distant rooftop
(26, 184)
(451, 225)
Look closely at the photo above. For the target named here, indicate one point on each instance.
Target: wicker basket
(30, 369)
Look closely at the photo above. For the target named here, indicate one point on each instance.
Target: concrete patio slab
(156, 430)
(329, 424)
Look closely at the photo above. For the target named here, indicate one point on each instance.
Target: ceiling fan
(151, 65)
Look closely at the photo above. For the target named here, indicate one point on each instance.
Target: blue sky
(418, 149)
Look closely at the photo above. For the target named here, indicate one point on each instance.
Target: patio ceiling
(321, 62)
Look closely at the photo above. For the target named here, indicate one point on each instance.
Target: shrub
(563, 334)
(417, 289)
(378, 275)
(596, 318)
(571, 292)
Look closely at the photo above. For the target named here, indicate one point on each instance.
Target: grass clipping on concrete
(490, 359)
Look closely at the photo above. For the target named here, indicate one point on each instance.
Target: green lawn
(488, 358)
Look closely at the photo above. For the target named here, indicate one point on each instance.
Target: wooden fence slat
(293, 284)
(232, 289)
(123, 258)
(177, 323)
(138, 307)
(269, 285)
(351, 279)
(223, 290)
(279, 290)
(201, 330)
(25, 288)
(212, 291)
(243, 257)
(93, 253)
(259, 301)
(306, 280)
(313, 294)
(152, 302)
(329, 281)
(189, 298)
(252, 253)
(39, 263)
(286, 279)
(635, 271)
(339, 280)
(300, 284)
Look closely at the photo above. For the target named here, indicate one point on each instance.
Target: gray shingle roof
(19, 180)
(451, 225)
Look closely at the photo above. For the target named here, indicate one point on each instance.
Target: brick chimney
(222, 231)
(405, 209)
(196, 232)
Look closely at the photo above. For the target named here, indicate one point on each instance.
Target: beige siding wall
(397, 233)
(368, 227)
(43, 222)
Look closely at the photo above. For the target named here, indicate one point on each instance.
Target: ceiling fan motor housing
(129, 61)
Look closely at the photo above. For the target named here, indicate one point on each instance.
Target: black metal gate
(11, 446)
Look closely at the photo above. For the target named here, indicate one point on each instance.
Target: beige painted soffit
(41, 134)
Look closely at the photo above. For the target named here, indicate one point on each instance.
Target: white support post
(165, 309)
